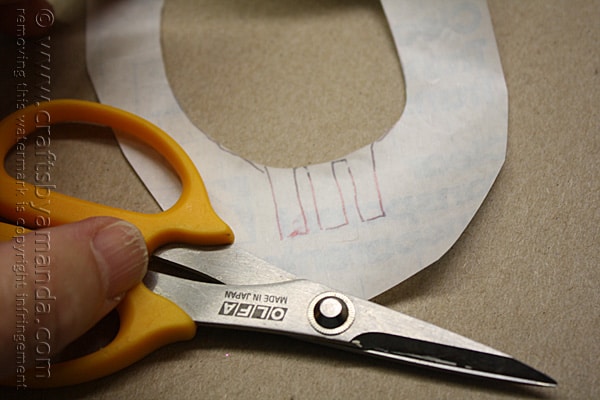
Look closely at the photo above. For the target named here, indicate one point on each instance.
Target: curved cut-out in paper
(366, 221)
(284, 83)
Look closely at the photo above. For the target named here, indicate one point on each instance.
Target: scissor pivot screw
(331, 313)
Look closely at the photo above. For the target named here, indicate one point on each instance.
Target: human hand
(56, 284)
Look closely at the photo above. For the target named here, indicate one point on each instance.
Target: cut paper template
(366, 221)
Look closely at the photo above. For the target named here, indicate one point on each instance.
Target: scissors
(208, 281)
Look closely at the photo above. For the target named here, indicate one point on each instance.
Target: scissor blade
(224, 264)
(449, 358)
(300, 308)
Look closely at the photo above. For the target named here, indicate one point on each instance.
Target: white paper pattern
(361, 223)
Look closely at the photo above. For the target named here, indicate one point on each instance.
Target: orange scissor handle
(147, 321)
(190, 220)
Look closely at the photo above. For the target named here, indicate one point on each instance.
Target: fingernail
(121, 255)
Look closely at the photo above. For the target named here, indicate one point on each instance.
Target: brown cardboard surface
(311, 81)
(523, 277)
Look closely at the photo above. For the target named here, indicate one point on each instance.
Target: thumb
(56, 283)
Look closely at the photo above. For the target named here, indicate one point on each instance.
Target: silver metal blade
(453, 359)
(314, 312)
(230, 265)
